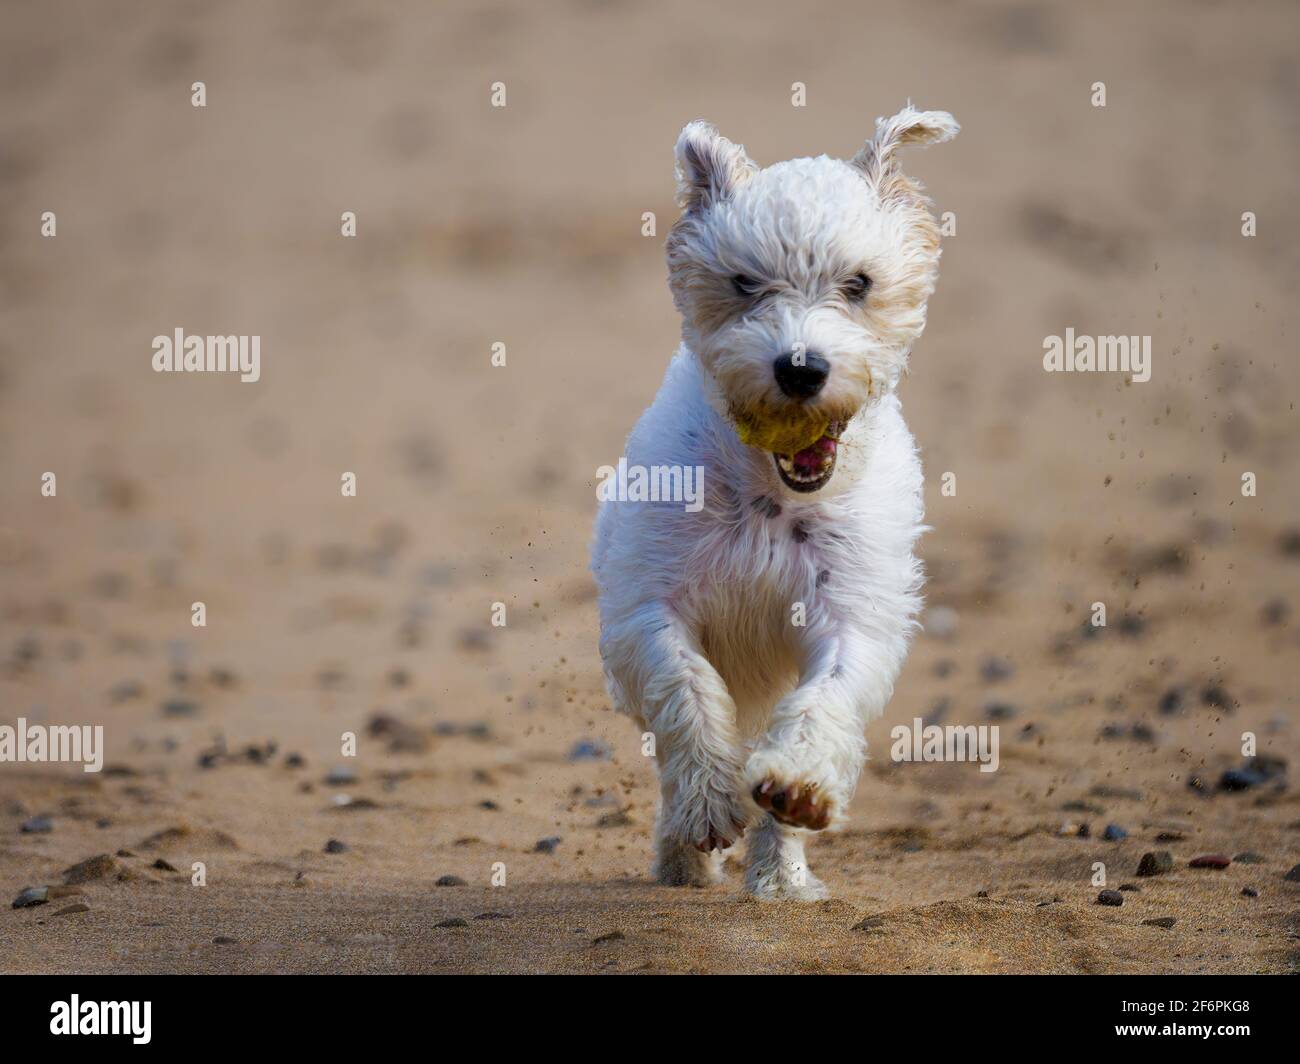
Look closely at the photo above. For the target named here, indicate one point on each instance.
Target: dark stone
(32, 896)
(37, 825)
(449, 881)
(1155, 864)
(1114, 833)
(1216, 696)
(1255, 772)
(1130, 625)
(335, 846)
(1171, 701)
(1249, 892)
(454, 921)
(994, 669)
(1110, 897)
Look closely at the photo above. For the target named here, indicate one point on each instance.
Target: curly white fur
(700, 612)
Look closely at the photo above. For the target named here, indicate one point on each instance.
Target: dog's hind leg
(777, 868)
(686, 706)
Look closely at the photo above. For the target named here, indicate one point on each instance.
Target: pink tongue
(809, 460)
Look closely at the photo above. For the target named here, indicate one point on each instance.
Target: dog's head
(803, 286)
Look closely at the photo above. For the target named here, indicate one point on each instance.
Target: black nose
(801, 377)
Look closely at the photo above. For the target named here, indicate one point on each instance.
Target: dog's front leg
(685, 704)
(806, 766)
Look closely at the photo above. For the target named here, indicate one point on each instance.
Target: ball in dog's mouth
(810, 469)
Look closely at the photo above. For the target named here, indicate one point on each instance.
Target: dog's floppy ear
(709, 167)
(877, 159)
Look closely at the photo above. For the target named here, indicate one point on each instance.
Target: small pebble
(75, 907)
(32, 896)
(1155, 864)
(37, 825)
(1210, 860)
(1130, 625)
(225, 940)
(1161, 921)
(1131, 888)
(548, 844)
(1294, 875)
(1128, 794)
(1249, 892)
(124, 691)
(454, 921)
(1110, 897)
(1215, 696)
(870, 923)
(1249, 857)
(609, 936)
(1171, 701)
(941, 622)
(335, 846)
(163, 866)
(180, 708)
(1275, 611)
(1114, 833)
(589, 750)
(341, 775)
(449, 881)
(1255, 772)
(995, 669)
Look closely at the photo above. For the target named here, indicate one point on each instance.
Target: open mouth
(810, 469)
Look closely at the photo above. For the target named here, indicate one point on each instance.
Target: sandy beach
(497, 816)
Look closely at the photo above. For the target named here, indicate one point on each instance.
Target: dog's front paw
(798, 803)
(795, 798)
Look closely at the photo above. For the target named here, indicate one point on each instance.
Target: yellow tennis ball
(788, 433)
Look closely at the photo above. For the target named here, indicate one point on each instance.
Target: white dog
(757, 636)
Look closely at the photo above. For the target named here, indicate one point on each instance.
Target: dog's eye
(856, 288)
(746, 286)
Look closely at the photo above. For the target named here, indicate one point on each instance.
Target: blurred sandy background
(476, 484)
